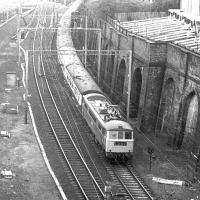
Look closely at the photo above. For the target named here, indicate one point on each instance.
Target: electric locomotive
(110, 130)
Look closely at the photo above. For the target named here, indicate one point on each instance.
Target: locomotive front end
(120, 142)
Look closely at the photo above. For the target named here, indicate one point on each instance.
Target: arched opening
(90, 39)
(189, 121)
(103, 69)
(109, 74)
(166, 118)
(135, 93)
(92, 59)
(119, 82)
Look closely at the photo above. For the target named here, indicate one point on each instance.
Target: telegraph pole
(19, 32)
(26, 89)
(86, 26)
(99, 56)
(150, 2)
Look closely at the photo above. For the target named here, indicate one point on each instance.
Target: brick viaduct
(165, 83)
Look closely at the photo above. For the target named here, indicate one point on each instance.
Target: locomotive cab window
(128, 135)
(113, 135)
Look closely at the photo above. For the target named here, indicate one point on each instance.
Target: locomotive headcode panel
(120, 139)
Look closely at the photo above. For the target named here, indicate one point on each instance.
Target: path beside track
(20, 153)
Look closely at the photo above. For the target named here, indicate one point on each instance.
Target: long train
(113, 133)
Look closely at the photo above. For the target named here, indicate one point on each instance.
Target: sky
(8, 2)
(14, 2)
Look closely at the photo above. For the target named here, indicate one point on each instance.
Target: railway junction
(80, 170)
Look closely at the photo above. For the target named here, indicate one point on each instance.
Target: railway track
(85, 185)
(71, 128)
(80, 166)
(126, 179)
(131, 182)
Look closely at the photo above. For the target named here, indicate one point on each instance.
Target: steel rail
(40, 91)
(74, 123)
(69, 133)
(90, 174)
(125, 186)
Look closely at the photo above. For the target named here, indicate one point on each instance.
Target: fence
(138, 15)
(117, 26)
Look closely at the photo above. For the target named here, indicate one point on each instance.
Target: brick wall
(158, 63)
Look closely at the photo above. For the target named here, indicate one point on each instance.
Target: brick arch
(93, 36)
(103, 67)
(165, 116)
(119, 82)
(188, 121)
(110, 62)
(135, 93)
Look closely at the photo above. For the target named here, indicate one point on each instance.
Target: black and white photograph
(99, 99)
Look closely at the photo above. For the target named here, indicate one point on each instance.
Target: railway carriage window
(103, 130)
(128, 135)
(113, 135)
(91, 114)
(120, 134)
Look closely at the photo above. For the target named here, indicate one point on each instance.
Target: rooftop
(179, 28)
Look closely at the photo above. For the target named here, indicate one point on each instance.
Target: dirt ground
(167, 164)
(20, 153)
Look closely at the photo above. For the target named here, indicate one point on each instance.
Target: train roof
(79, 74)
(109, 114)
(117, 124)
